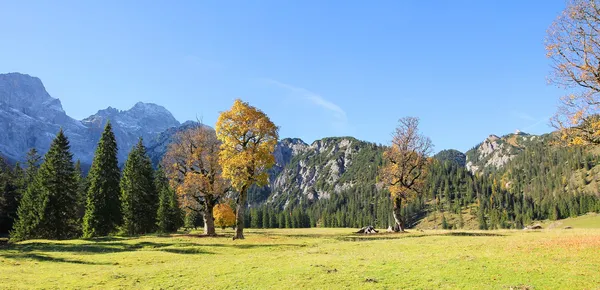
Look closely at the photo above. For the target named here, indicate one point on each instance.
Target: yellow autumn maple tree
(192, 165)
(248, 140)
(573, 46)
(224, 216)
(405, 163)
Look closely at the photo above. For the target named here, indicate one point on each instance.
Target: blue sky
(317, 68)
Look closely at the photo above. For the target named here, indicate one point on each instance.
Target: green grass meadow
(314, 258)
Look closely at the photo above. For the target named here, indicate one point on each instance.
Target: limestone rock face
(30, 118)
(494, 152)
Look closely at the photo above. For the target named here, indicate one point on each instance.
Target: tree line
(51, 199)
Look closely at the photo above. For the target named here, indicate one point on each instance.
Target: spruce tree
(139, 198)
(169, 216)
(9, 197)
(103, 208)
(33, 163)
(28, 213)
(48, 209)
(81, 192)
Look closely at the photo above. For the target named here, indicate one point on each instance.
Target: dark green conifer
(48, 208)
(103, 208)
(81, 192)
(139, 198)
(9, 197)
(169, 216)
(33, 160)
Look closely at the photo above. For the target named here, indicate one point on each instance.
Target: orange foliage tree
(224, 215)
(192, 165)
(405, 163)
(573, 44)
(248, 140)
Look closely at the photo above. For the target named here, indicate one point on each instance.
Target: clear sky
(317, 68)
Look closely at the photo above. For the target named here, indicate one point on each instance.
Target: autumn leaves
(205, 165)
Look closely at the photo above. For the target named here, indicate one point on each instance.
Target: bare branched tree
(405, 165)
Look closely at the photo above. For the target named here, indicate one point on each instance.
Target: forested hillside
(536, 180)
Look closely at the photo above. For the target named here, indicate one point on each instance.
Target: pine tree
(193, 219)
(48, 209)
(81, 192)
(28, 213)
(139, 199)
(33, 163)
(9, 197)
(168, 217)
(103, 208)
(481, 218)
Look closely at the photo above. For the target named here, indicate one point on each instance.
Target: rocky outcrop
(30, 118)
(316, 171)
(494, 152)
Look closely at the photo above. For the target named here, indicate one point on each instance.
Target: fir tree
(139, 198)
(81, 191)
(168, 217)
(48, 209)
(28, 213)
(33, 163)
(9, 197)
(481, 218)
(103, 209)
(193, 219)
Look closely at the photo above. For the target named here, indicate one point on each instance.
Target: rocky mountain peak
(30, 118)
(27, 95)
(286, 149)
(496, 151)
(492, 138)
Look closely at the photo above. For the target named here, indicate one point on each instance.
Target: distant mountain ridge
(494, 152)
(30, 118)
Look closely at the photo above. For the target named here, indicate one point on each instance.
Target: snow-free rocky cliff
(494, 152)
(30, 118)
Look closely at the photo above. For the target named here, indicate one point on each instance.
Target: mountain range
(30, 118)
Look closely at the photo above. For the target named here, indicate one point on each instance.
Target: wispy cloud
(523, 116)
(314, 98)
(537, 123)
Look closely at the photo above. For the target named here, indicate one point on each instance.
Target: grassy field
(312, 258)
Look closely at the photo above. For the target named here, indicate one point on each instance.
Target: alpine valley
(504, 182)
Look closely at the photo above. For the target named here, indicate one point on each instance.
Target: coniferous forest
(49, 197)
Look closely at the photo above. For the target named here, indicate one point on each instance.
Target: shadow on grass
(398, 236)
(253, 246)
(186, 251)
(45, 258)
(39, 251)
(468, 234)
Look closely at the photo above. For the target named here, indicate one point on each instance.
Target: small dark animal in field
(331, 271)
(371, 280)
(568, 228)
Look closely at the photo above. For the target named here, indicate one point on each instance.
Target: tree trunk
(239, 215)
(209, 220)
(399, 227)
